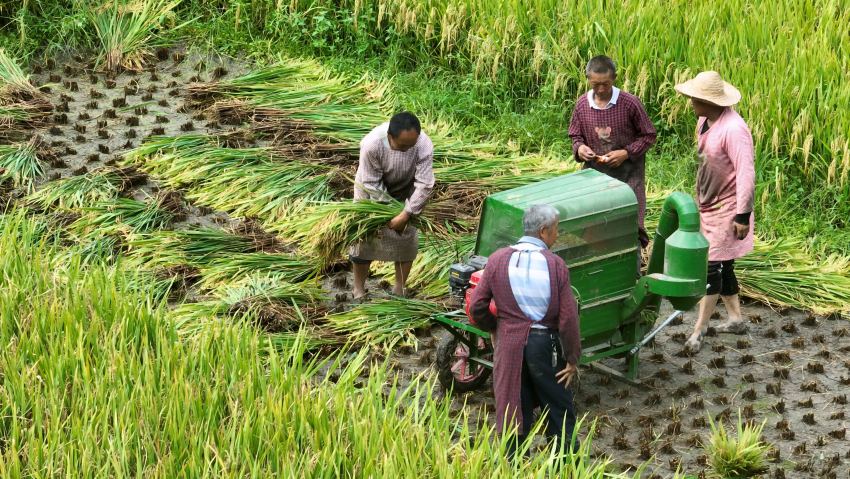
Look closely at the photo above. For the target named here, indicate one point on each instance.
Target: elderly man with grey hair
(536, 333)
(611, 132)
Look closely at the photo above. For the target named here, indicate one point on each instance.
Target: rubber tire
(445, 360)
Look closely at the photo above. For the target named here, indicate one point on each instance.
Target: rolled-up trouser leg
(729, 285)
(721, 278)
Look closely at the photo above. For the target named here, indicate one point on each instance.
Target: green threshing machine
(598, 240)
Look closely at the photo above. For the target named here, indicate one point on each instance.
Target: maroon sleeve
(575, 130)
(568, 316)
(644, 129)
(481, 297)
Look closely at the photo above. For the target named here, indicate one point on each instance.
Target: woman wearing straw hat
(725, 191)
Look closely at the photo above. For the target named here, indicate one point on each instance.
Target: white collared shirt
(615, 94)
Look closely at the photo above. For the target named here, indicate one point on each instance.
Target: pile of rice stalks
(782, 273)
(196, 247)
(304, 108)
(268, 301)
(289, 267)
(22, 106)
(124, 216)
(243, 182)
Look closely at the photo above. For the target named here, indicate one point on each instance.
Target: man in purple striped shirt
(396, 161)
(611, 132)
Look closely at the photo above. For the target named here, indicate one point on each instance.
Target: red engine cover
(473, 282)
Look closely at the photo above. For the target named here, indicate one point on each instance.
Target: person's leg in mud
(707, 305)
(729, 289)
(402, 272)
(360, 268)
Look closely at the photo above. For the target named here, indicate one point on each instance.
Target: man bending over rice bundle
(396, 161)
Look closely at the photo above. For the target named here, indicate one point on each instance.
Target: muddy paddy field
(791, 370)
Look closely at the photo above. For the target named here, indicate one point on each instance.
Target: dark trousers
(721, 278)
(540, 388)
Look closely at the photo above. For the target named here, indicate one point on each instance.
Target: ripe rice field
(176, 182)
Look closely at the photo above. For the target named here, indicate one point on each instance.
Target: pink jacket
(725, 184)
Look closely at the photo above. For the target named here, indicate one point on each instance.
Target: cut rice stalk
(325, 230)
(384, 323)
(286, 266)
(126, 30)
(267, 300)
(75, 192)
(122, 217)
(21, 164)
(782, 273)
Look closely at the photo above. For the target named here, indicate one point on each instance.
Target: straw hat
(709, 87)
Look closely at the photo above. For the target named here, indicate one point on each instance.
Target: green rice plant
(21, 164)
(83, 191)
(126, 30)
(736, 457)
(227, 268)
(384, 323)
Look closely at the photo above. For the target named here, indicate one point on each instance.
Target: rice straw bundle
(325, 230)
(126, 31)
(385, 322)
(21, 164)
(21, 104)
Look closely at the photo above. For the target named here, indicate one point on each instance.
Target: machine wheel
(454, 369)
